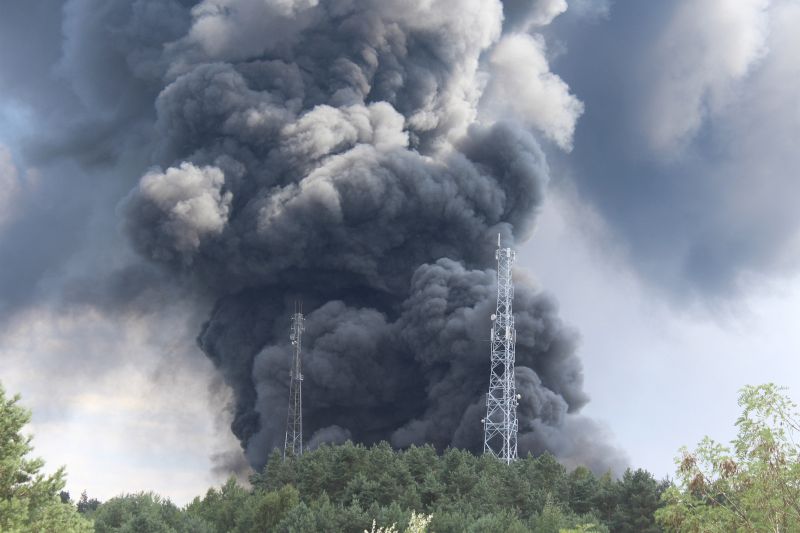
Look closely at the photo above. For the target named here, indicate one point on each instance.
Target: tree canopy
(462, 491)
(348, 487)
(752, 485)
(30, 501)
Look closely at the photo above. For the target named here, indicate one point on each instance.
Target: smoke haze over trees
(339, 488)
(752, 484)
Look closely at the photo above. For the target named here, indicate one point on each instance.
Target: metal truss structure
(500, 425)
(293, 445)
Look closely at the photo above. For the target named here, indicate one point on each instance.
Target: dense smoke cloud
(331, 153)
(361, 156)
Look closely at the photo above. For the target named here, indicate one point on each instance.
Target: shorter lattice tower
(293, 445)
(500, 425)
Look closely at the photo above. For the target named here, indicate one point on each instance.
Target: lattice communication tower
(500, 425)
(293, 445)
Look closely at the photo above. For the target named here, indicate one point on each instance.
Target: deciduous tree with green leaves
(752, 485)
(30, 501)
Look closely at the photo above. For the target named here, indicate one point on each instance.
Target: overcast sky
(669, 234)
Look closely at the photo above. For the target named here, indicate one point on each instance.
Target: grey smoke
(328, 435)
(333, 152)
(696, 178)
(341, 164)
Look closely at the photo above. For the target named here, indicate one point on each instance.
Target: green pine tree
(30, 501)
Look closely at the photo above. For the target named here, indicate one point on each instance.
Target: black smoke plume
(334, 152)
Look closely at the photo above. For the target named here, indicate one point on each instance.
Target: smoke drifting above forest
(341, 153)
(361, 156)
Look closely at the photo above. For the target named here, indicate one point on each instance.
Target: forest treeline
(346, 487)
(753, 485)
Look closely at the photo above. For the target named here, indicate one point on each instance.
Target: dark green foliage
(605, 498)
(500, 522)
(556, 518)
(29, 499)
(464, 492)
(322, 516)
(87, 505)
(582, 488)
(220, 508)
(236, 509)
(144, 512)
(344, 488)
(638, 498)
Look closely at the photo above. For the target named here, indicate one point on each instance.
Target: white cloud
(544, 11)
(523, 87)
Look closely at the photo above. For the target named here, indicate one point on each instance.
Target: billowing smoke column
(345, 152)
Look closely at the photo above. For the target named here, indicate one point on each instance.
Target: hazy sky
(669, 235)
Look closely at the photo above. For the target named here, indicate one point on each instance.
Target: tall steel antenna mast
(293, 445)
(500, 425)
